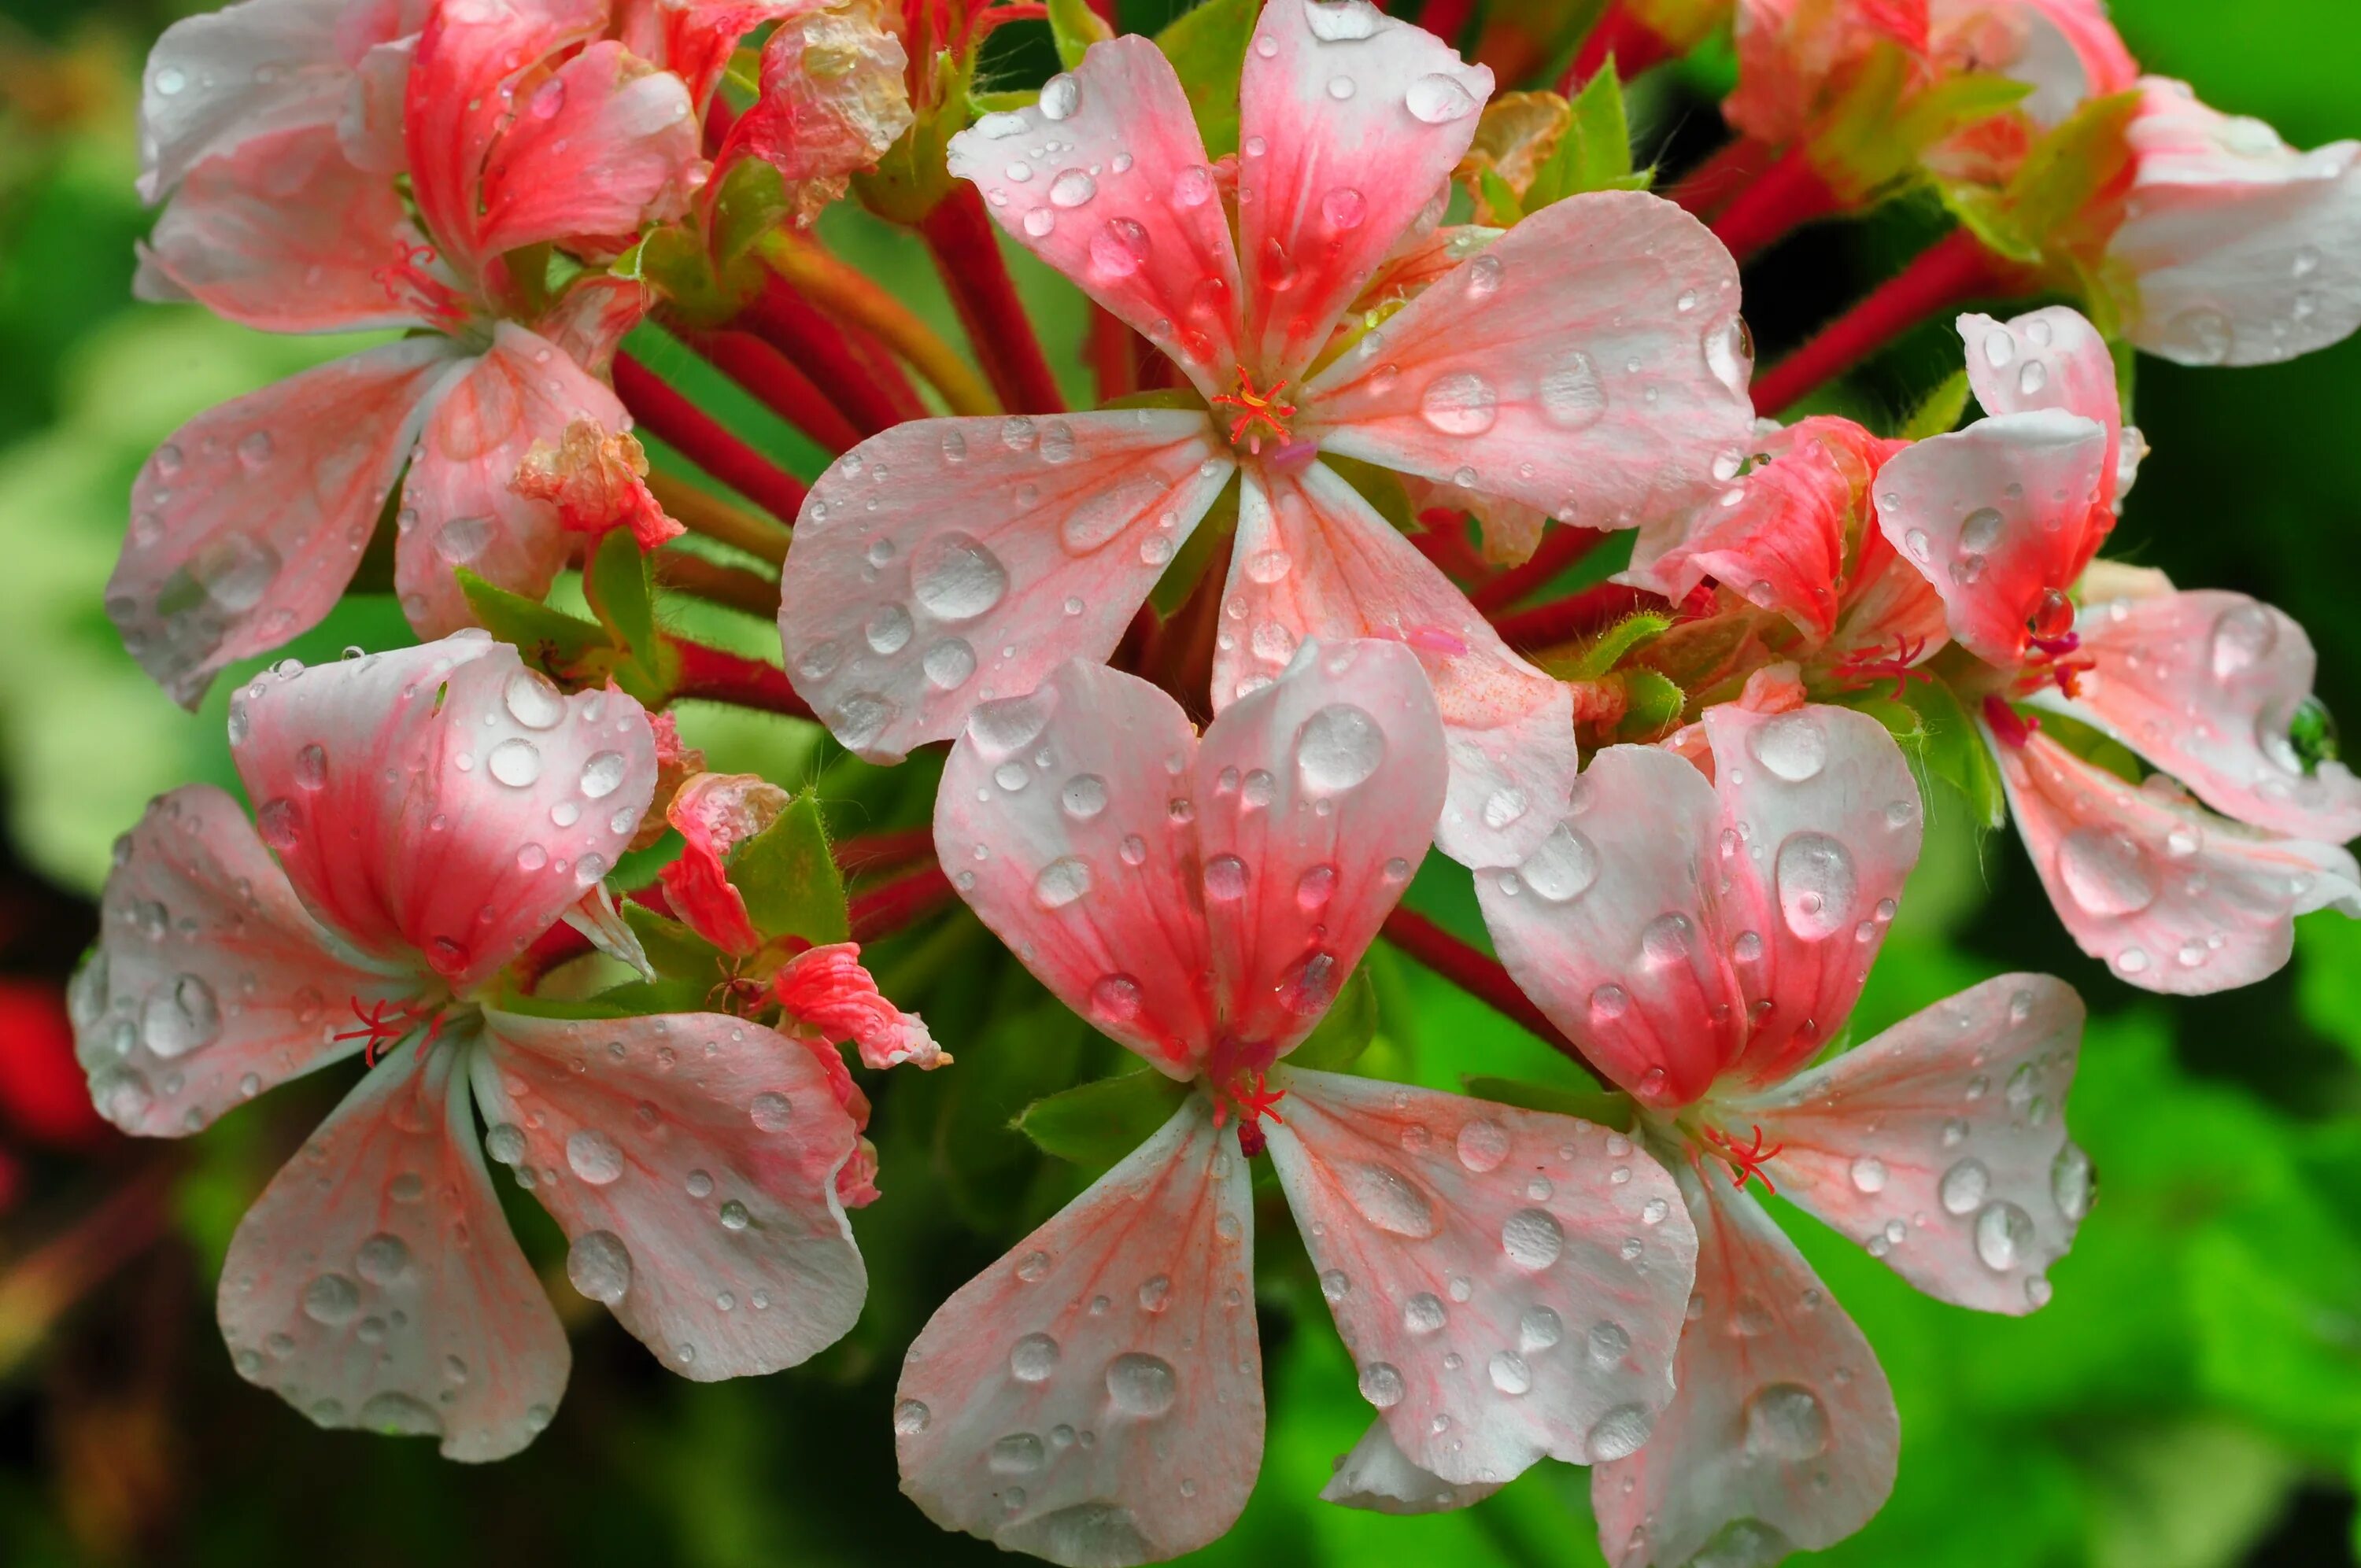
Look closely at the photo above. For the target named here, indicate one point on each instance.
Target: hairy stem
(961, 238)
(775, 382)
(700, 511)
(714, 674)
(818, 347)
(859, 302)
(1784, 197)
(696, 435)
(1578, 615)
(1953, 271)
(1480, 977)
(732, 586)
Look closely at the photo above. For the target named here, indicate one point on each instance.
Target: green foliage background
(2191, 1397)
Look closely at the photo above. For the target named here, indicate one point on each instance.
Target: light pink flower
(1590, 362)
(2240, 249)
(521, 128)
(1702, 942)
(2004, 519)
(424, 815)
(1510, 1282)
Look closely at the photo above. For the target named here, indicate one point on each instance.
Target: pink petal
(371, 129)
(1088, 866)
(284, 235)
(589, 322)
(826, 991)
(1590, 363)
(441, 801)
(1350, 124)
(1145, 235)
(1820, 827)
(1782, 1437)
(692, 1158)
(946, 563)
(714, 813)
(1505, 1296)
(248, 524)
(375, 1284)
(604, 144)
(2049, 358)
(210, 982)
(1095, 1398)
(1378, 1476)
(833, 100)
(2245, 250)
(1609, 926)
(1941, 1144)
(2175, 899)
(460, 504)
(2205, 686)
(1315, 798)
(1999, 516)
(219, 79)
(1314, 560)
(694, 38)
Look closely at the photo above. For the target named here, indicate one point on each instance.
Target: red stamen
(381, 1028)
(1257, 407)
(2014, 728)
(1867, 666)
(1747, 1160)
(409, 283)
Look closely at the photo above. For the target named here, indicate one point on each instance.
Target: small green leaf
(634, 869)
(621, 591)
(677, 952)
(1604, 1106)
(1188, 568)
(1938, 412)
(1074, 28)
(789, 879)
(1617, 641)
(1346, 1032)
(1381, 487)
(570, 649)
(1595, 153)
(1955, 751)
(1098, 1123)
(2093, 745)
(1502, 206)
(2065, 169)
(1651, 705)
(1207, 47)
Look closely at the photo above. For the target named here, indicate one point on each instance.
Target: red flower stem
(1561, 548)
(1738, 164)
(1104, 11)
(959, 236)
(685, 572)
(817, 346)
(886, 372)
(1634, 44)
(775, 383)
(888, 907)
(864, 305)
(1784, 197)
(40, 1286)
(1480, 977)
(1442, 539)
(694, 435)
(1447, 19)
(1114, 363)
(714, 674)
(869, 852)
(701, 511)
(1953, 271)
(1579, 615)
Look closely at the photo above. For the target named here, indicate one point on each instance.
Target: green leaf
(1651, 705)
(1346, 1032)
(634, 869)
(1074, 28)
(1955, 751)
(1595, 153)
(2065, 169)
(1207, 47)
(1098, 1123)
(1188, 568)
(621, 591)
(789, 879)
(1624, 636)
(1938, 412)
(1604, 1106)
(1501, 202)
(572, 649)
(677, 952)
(1381, 487)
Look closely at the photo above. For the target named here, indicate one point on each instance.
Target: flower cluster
(1217, 661)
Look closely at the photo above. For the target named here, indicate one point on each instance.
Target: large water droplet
(1816, 881)
(1483, 1145)
(1062, 881)
(1785, 1421)
(1563, 867)
(333, 1299)
(1033, 1358)
(516, 763)
(1572, 396)
(1141, 1385)
(1438, 100)
(955, 577)
(1532, 1238)
(2071, 1184)
(1381, 1384)
(179, 1016)
(1618, 1433)
(1963, 1187)
(599, 1266)
(595, 1156)
(2004, 1236)
(2244, 636)
(1347, 22)
(602, 775)
(2106, 871)
(1509, 1373)
(1388, 1199)
(1794, 745)
(533, 700)
(1460, 403)
(1339, 748)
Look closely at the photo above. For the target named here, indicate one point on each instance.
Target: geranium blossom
(1702, 942)
(1589, 363)
(1510, 1282)
(519, 128)
(424, 815)
(2005, 518)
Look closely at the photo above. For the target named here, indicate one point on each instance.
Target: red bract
(43, 1098)
(1589, 363)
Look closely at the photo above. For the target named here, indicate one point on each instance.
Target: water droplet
(1869, 1173)
(1794, 745)
(179, 1016)
(1343, 209)
(1156, 1293)
(1033, 1358)
(1532, 1238)
(949, 663)
(734, 1216)
(1062, 881)
(1618, 1433)
(1815, 875)
(1225, 878)
(595, 1156)
(602, 775)
(2070, 1183)
(771, 1112)
(516, 763)
(910, 1418)
(1509, 1373)
(1060, 97)
(1141, 1385)
(1438, 100)
(1483, 1145)
(1785, 1422)
(2004, 1236)
(1563, 867)
(2244, 636)
(1381, 1384)
(1422, 1313)
(1388, 1199)
(383, 1259)
(954, 577)
(1073, 188)
(2106, 871)
(1572, 397)
(1460, 403)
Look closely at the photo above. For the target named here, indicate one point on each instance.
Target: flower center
(1744, 1159)
(1235, 1074)
(385, 1022)
(1261, 415)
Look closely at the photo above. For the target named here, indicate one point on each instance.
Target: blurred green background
(2191, 1397)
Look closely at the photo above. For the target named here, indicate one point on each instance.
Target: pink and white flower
(1510, 1282)
(521, 128)
(424, 816)
(1590, 363)
(1702, 942)
(2004, 519)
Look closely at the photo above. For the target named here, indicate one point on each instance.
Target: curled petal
(210, 982)
(1510, 1283)
(1378, 1476)
(714, 813)
(1821, 826)
(1315, 798)
(1314, 560)
(598, 480)
(2208, 686)
(2049, 358)
(833, 100)
(1998, 517)
(1590, 362)
(2245, 250)
(692, 1160)
(947, 563)
(694, 38)
(441, 801)
(2172, 897)
(249, 521)
(460, 505)
(826, 990)
(1331, 94)
(1095, 1398)
(375, 1284)
(1782, 1437)
(1609, 926)
(1941, 1144)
